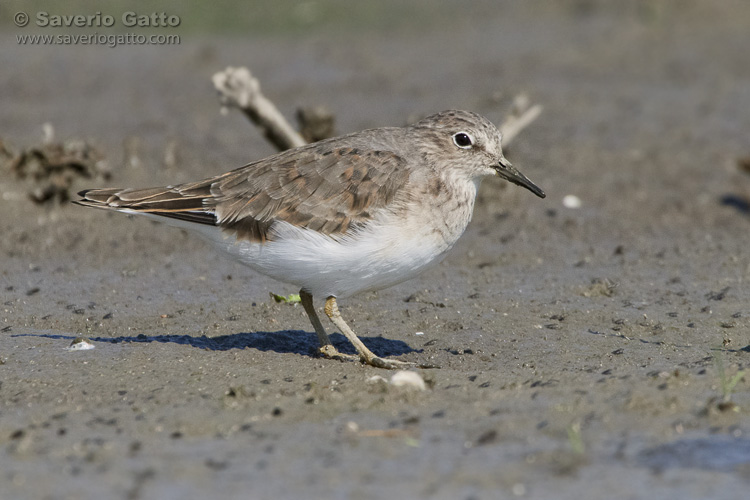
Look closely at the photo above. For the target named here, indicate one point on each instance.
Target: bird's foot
(394, 364)
(329, 352)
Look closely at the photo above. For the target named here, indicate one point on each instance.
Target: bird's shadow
(284, 341)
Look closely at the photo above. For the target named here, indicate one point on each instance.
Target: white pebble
(571, 201)
(408, 379)
(519, 489)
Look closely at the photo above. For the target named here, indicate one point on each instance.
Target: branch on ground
(521, 116)
(239, 89)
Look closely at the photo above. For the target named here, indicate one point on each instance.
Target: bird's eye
(463, 140)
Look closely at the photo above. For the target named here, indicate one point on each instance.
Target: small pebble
(408, 379)
(571, 201)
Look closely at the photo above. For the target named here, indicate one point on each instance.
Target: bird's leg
(365, 355)
(326, 348)
(307, 303)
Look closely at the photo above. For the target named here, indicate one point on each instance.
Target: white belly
(374, 258)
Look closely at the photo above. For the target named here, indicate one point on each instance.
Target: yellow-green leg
(365, 355)
(326, 347)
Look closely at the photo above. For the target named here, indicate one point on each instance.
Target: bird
(342, 216)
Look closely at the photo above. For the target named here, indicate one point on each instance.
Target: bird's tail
(167, 201)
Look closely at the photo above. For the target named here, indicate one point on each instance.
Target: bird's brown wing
(326, 188)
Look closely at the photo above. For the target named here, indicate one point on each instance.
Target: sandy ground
(586, 353)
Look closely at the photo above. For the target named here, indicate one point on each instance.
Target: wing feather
(329, 186)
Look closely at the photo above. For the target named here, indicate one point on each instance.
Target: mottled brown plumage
(327, 187)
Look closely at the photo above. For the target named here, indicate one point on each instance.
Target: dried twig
(521, 117)
(316, 123)
(239, 89)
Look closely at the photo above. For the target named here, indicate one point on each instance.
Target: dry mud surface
(586, 353)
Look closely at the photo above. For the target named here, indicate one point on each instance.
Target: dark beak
(508, 172)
